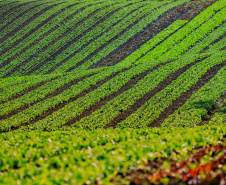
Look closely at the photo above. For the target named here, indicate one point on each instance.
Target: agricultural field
(113, 92)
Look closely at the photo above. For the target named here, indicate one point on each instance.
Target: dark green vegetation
(77, 68)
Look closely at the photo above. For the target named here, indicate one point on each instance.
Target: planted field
(82, 82)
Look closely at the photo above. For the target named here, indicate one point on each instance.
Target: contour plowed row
(147, 96)
(55, 93)
(61, 105)
(182, 12)
(27, 22)
(67, 19)
(176, 104)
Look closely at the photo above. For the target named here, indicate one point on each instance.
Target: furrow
(124, 88)
(108, 42)
(53, 42)
(169, 79)
(28, 90)
(214, 42)
(63, 104)
(55, 93)
(14, 8)
(27, 22)
(36, 28)
(73, 41)
(176, 104)
(149, 32)
(68, 18)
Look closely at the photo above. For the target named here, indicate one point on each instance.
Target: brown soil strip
(73, 41)
(79, 50)
(28, 90)
(55, 93)
(53, 42)
(176, 104)
(215, 108)
(139, 103)
(27, 22)
(63, 104)
(14, 8)
(108, 42)
(157, 26)
(104, 101)
(68, 18)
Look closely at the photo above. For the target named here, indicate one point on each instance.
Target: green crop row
(94, 157)
(188, 29)
(121, 103)
(73, 109)
(196, 35)
(6, 7)
(21, 87)
(20, 21)
(58, 20)
(92, 21)
(40, 92)
(13, 15)
(75, 30)
(153, 42)
(207, 41)
(116, 43)
(119, 19)
(47, 104)
(158, 103)
(199, 103)
(218, 46)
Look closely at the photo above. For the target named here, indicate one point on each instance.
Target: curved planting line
(36, 28)
(74, 40)
(28, 90)
(63, 104)
(27, 22)
(214, 42)
(110, 41)
(3, 6)
(149, 32)
(54, 41)
(55, 93)
(14, 8)
(124, 88)
(68, 18)
(169, 79)
(176, 104)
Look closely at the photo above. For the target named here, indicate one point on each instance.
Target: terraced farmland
(83, 83)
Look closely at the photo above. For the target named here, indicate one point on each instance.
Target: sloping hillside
(110, 69)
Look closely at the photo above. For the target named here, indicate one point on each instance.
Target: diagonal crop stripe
(68, 44)
(139, 103)
(176, 104)
(157, 26)
(41, 37)
(36, 28)
(27, 22)
(13, 9)
(69, 30)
